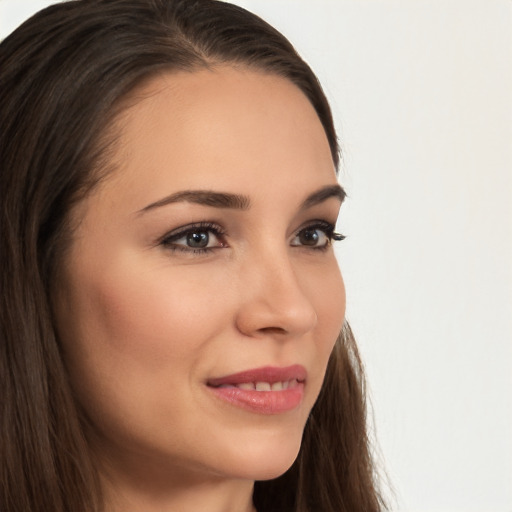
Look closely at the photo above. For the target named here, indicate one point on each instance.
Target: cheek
(148, 317)
(133, 337)
(130, 334)
(330, 303)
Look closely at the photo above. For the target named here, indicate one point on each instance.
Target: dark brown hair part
(63, 77)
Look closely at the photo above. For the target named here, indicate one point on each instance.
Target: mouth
(267, 390)
(263, 386)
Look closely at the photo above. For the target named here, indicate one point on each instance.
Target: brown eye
(316, 236)
(309, 237)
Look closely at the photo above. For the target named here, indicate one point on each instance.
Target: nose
(273, 302)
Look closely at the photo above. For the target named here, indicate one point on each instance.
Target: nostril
(273, 330)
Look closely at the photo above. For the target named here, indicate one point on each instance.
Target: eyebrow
(238, 201)
(335, 191)
(204, 197)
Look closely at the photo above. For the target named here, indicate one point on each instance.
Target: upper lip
(270, 374)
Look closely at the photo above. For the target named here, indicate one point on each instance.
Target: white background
(422, 94)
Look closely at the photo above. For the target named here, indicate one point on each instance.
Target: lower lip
(262, 402)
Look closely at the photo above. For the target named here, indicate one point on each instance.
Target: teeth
(246, 385)
(266, 386)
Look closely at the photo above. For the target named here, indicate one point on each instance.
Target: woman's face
(201, 269)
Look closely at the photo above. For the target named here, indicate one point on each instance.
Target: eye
(318, 235)
(196, 238)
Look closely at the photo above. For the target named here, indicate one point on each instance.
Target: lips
(267, 390)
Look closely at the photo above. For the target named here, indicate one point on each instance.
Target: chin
(275, 470)
(267, 459)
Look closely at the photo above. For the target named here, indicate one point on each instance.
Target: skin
(144, 325)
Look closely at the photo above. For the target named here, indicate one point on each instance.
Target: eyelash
(327, 228)
(168, 241)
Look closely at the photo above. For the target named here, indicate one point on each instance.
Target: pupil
(309, 237)
(198, 239)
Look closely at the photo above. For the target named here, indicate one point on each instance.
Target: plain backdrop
(422, 95)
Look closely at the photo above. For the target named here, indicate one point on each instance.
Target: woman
(171, 302)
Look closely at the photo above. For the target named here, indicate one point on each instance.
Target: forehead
(209, 128)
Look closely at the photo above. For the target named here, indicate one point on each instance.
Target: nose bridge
(273, 297)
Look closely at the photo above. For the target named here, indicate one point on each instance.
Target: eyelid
(327, 227)
(169, 239)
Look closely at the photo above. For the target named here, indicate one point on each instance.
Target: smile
(268, 390)
(263, 386)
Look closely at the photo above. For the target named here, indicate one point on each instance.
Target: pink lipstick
(267, 390)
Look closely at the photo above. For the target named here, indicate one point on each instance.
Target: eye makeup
(204, 237)
(195, 238)
(316, 235)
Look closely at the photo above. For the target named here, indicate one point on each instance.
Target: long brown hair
(63, 76)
